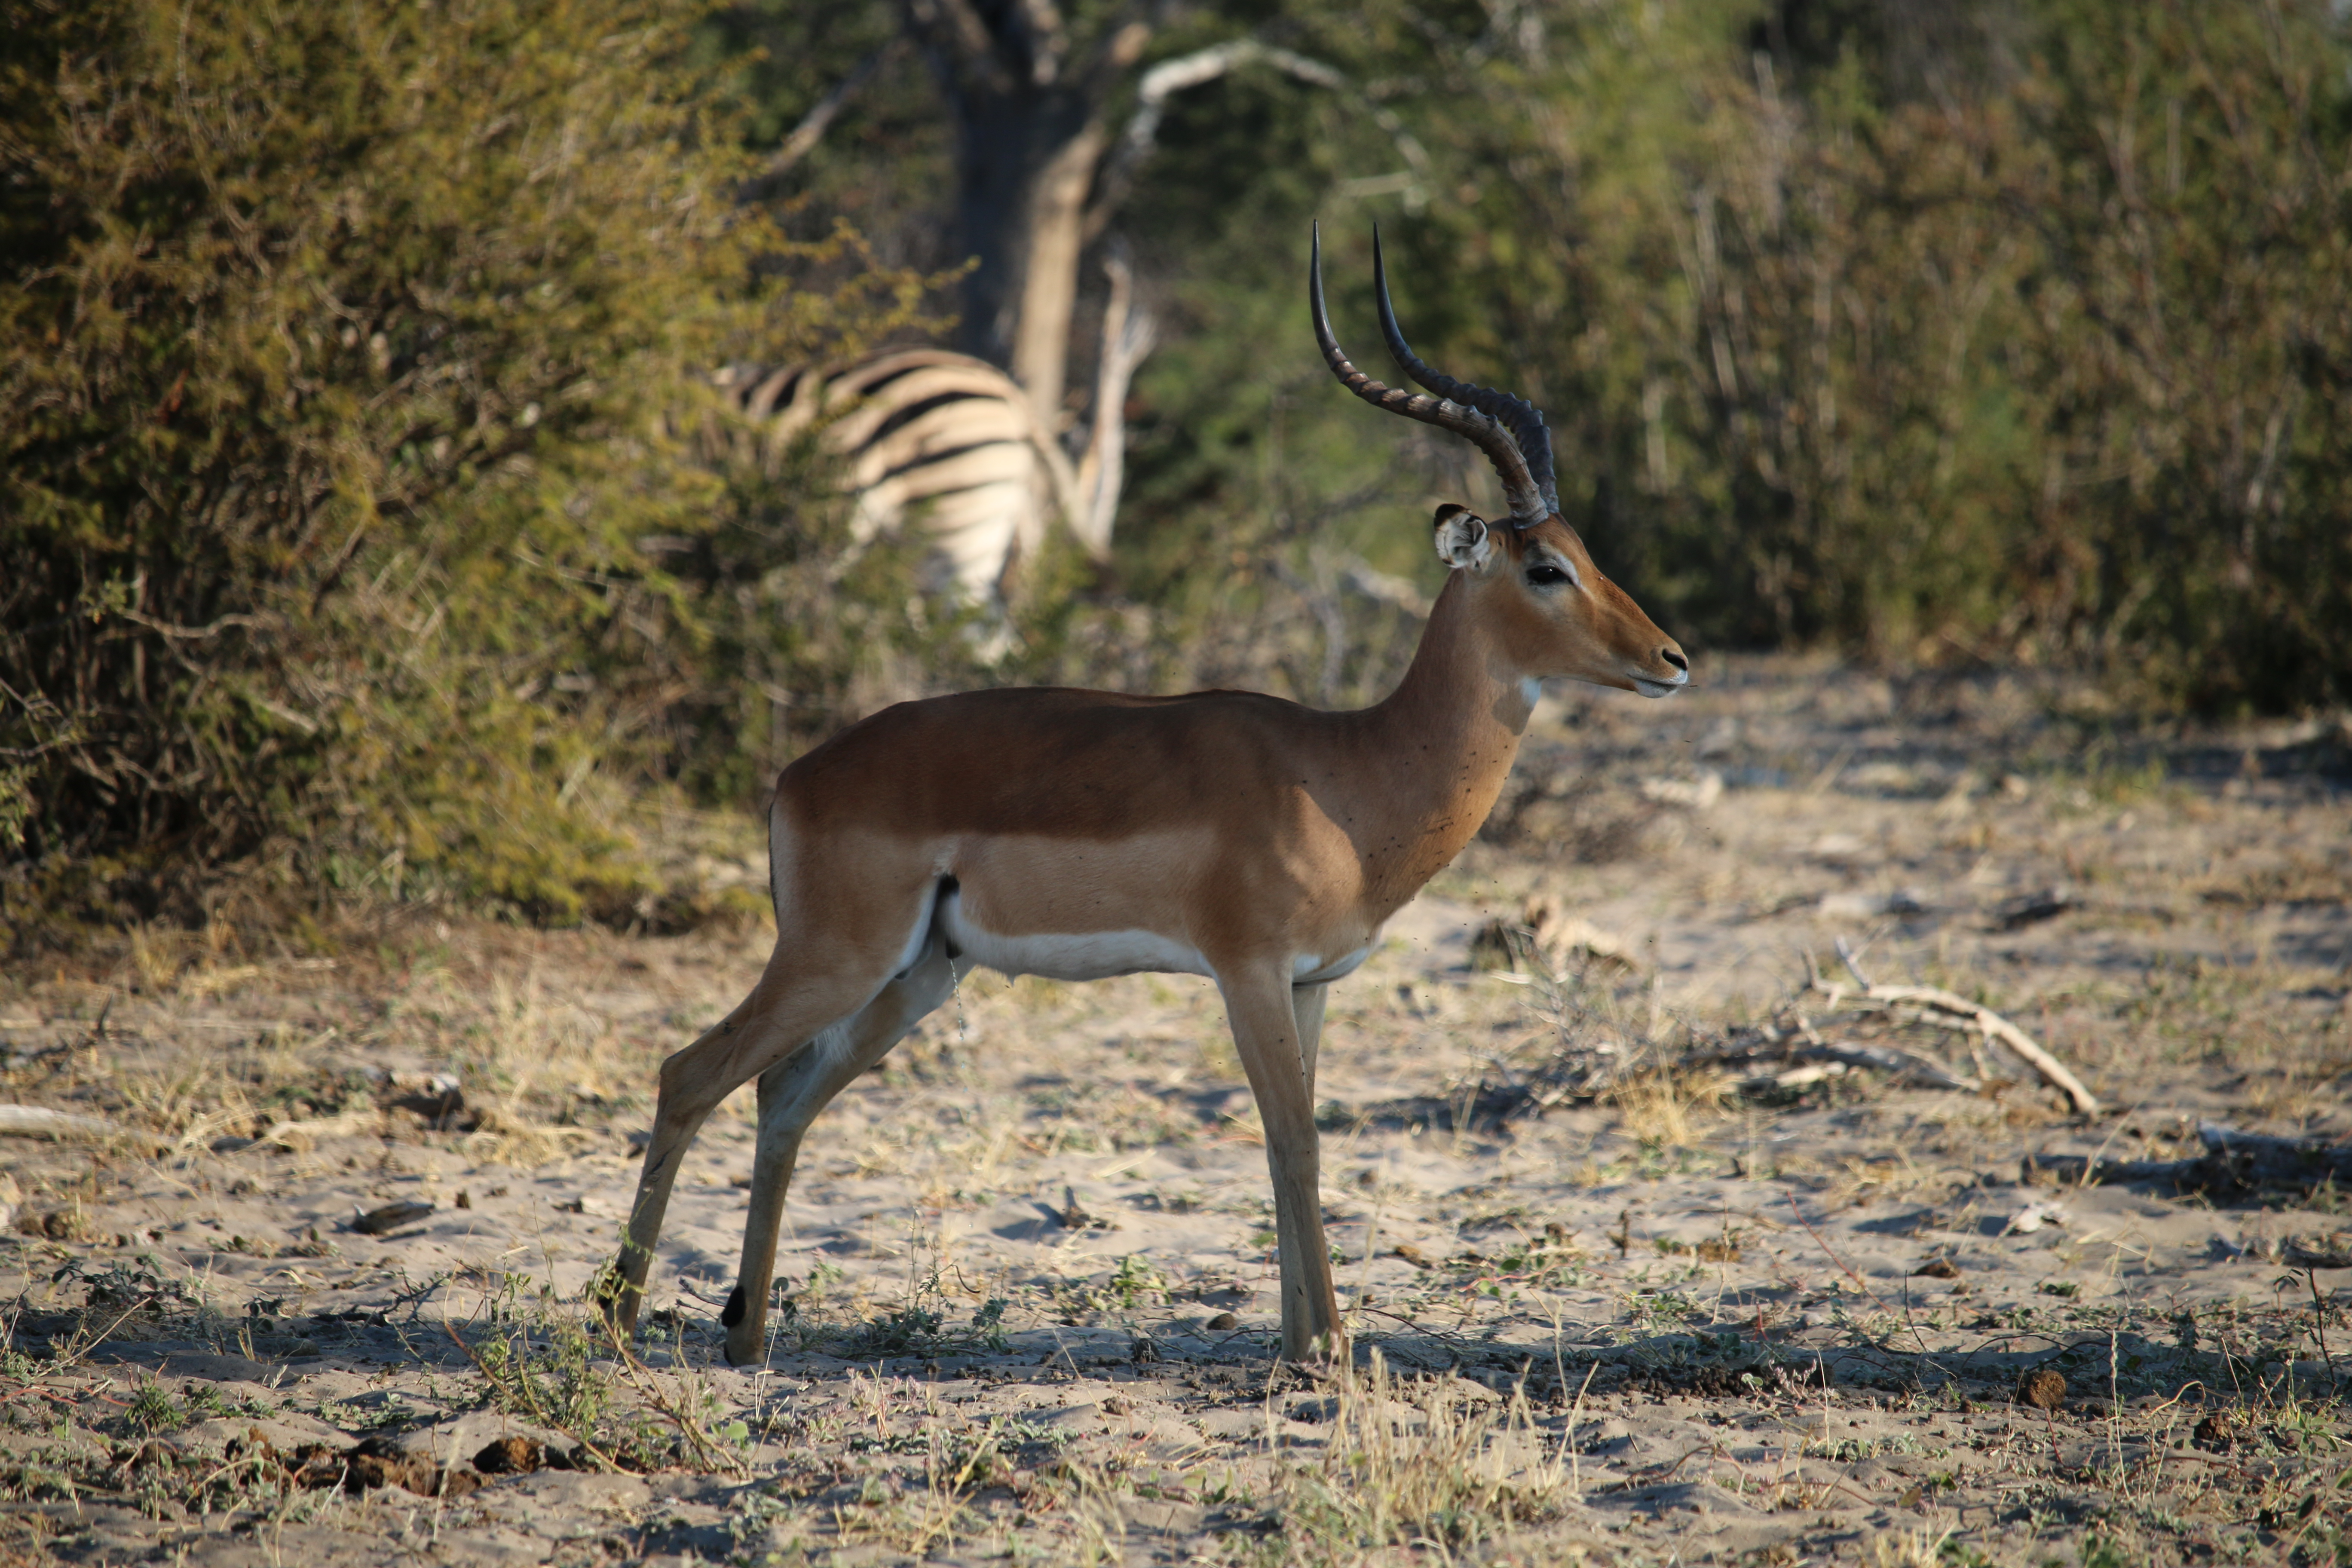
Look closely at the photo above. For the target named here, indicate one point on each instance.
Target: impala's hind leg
(818, 978)
(791, 1095)
(693, 1082)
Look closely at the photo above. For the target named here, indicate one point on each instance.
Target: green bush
(1950, 334)
(2188, 342)
(2115, 303)
(2049, 362)
(346, 355)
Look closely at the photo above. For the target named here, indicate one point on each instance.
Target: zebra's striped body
(942, 438)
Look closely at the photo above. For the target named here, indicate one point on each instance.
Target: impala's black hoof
(732, 1313)
(605, 1293)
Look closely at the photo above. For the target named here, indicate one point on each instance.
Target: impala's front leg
(1306, 1010)
(1269, 1032)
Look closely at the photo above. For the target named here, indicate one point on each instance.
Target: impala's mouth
(1649, 688)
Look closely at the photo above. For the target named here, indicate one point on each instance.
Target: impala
(1084, 833)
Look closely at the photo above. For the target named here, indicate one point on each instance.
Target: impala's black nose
(1677, 660)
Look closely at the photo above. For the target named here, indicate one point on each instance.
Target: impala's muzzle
(1651, 685)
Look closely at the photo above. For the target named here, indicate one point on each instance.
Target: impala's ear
(1462, 539)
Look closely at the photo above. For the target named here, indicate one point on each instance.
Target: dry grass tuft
(528, 1063)
(1668, 1108)
(498, 1139)
(1418, 1463)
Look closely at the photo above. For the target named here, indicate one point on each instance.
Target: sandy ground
(1029, 1264)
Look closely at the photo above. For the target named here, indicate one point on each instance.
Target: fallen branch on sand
(40, 1122)
(1795, 1045)
(300, 1137)
(1810, 1046)
(1943, 1009)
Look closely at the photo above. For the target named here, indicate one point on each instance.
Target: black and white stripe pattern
(941, 438)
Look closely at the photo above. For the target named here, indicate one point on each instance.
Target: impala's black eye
(1544, 576)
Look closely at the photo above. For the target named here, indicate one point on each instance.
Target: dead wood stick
(2246, 1161)
(1986, 1022)
(40, 1122)
(1887, 1059)
(299, 1136)
(1800, 1039)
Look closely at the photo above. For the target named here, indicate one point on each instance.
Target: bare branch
(818, 121)
(1204, 66)
(1951, 1012)
(1121, 45)
(1128, 334)
(41, 1121)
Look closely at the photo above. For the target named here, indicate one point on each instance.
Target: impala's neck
(1446, 739)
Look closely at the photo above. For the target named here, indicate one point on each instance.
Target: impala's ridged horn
(1530, 497)
(1524, 419)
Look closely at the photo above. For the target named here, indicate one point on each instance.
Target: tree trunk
(1028, 158)
(1029, 104)
(1017, 151)
(1049, 295)
(1127, 333)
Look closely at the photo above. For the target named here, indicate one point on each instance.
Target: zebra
(927, 431)
(955, 443)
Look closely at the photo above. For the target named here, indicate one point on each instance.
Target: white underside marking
(1306, 969)
(1085, 955)
(914, 947)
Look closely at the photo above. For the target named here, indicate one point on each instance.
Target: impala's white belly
(1099, 954)
(1082, 955)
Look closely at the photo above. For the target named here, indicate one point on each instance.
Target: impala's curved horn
(1528, 502)
(1524, 419)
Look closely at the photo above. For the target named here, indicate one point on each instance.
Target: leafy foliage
(361, 531)
(1934, 333)
(1914, 375)
(348, 358)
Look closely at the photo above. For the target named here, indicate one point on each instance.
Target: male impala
(1084, 833)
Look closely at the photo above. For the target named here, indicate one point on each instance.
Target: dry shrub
(344, 357)
(2047, 360)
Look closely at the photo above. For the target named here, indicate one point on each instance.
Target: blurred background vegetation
(362, 538)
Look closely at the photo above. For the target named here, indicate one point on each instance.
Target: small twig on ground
(413, 1296)
(2319, 1323)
